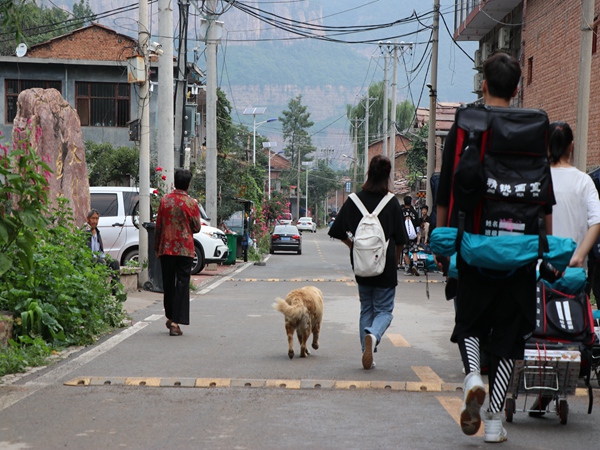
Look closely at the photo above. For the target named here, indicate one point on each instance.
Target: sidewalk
(141, 299)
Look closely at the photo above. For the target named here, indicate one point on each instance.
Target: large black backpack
(502, 180)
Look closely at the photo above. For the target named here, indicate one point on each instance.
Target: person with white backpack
(370, 224)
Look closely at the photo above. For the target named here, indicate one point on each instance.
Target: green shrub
(48, 280)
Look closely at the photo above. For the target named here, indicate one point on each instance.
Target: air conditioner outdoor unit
(477, 82)
(478, 60)
(486, 51)
(504, 38)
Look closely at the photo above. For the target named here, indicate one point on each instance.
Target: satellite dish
(21, 50)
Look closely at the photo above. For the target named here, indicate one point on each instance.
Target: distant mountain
(263, 65)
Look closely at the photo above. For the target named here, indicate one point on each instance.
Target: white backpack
(370, 246)
(410, 229)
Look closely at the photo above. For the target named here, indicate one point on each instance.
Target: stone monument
(60, 146)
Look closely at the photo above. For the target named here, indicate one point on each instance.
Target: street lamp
(256, 112)
(268, 145)
(306, 164)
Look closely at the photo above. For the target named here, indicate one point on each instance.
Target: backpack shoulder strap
(384, 201)
(359, 204)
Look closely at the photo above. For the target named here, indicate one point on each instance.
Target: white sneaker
(470, 418)
(494, 431)
(367, 357)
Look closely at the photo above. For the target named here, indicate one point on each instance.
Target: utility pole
(211, 112)
(431, 151)
(165, 91)
(583, 91)
(366, 164)
(181, 82)
(298, 190)
(355, 153)
(392, 128)
(144, 114)
(385, 101)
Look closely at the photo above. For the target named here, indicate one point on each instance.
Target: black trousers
(176, 273)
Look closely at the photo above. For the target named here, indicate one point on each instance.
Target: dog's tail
(289, 311)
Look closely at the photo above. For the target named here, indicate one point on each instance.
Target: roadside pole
(211, 113)
(144, 113)
(431, 151)
(165, 91)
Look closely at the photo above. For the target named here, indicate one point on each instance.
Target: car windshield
(305, 220)
(285, 229)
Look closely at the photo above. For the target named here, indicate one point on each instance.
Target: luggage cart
(544, 372)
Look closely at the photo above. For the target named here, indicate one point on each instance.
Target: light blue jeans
(376, 307)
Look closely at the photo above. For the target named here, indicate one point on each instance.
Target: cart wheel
(563, 411)
(509, 409)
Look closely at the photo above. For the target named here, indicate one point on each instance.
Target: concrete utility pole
(392, 127)
(211, 112)
(384, 151)
(165, 91)
(367, 106)
(355, 153)
(431, 151)
(298, 190)
(181, 83)
(144, 114)
(583, 91)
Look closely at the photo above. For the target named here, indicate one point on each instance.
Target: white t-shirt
(577, 205)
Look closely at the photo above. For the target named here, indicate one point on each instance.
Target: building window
(530, 70)
(103, 104)
(13, 88)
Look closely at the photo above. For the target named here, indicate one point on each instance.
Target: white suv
(118, 209)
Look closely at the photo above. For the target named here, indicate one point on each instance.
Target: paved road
(228, 382)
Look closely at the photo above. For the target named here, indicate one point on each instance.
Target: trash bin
(155, 282)
(232, 245)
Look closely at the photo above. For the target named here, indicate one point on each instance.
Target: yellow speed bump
(140, 381)
(83, 381)
(283, 384)
(213, 382)
(352, 384)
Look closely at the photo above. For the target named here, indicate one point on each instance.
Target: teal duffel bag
(501, 252)
(572, 282)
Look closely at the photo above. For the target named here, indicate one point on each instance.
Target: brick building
(89, 67)
(544, 35)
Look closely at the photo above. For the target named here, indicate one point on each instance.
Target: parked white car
(306, 224)
(118, 209)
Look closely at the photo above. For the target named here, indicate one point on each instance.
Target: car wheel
(299, 251)
(271, 251)
(131, 255)
(198, 263)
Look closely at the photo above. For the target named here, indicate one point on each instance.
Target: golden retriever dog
(303, 311)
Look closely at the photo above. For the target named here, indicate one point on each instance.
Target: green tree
(24, 21)
(295, 123)
(107, 165)
(321, 181)
(416, 159)
(235, 177)
(356, 115)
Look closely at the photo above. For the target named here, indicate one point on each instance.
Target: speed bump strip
(293, 280)
(352, 384)
(213, 382)
(283, 384)
(138, 381)
(207, 383)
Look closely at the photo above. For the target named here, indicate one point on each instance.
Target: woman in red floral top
(178, 219)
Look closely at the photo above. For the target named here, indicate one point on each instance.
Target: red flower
(159, 169)
(155, 191)
(164, 177)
